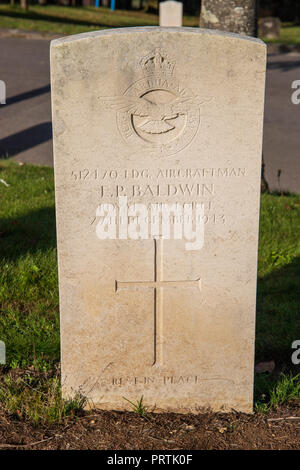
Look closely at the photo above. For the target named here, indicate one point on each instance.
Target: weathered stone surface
(235, 16)
(170, 13)
(159, 115)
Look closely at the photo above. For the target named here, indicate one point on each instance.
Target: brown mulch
(127, 431)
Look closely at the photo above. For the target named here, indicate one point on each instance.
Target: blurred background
(27, 27)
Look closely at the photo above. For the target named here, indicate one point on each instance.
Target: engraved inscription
(160, 174)
(165, 380)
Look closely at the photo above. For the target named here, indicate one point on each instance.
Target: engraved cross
(158, 284)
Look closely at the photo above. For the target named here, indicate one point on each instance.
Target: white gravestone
(170, 13)
(151, 121)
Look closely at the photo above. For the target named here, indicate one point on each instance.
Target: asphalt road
(25, 121)
(281, 144)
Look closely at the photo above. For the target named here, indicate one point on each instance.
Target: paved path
(25, 121)
(281, 148)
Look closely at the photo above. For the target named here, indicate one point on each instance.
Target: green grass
(278, 299)
(290, 34)
(28, 274)
(278, 296)
(37, 397)
(67, 20)
(272, 391)
(138, 408)
(73, 20)
(29, 322)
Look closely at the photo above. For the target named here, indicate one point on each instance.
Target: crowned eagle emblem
(157, 117)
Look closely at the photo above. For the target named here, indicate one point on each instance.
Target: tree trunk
(24, 4)
(236, 16)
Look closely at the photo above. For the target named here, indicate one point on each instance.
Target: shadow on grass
(27, 234)
(278, 314)
(32, 15)
(277, 326)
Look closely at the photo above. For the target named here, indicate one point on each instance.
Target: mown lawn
(74, 20)
(290, 34)
(29, 323)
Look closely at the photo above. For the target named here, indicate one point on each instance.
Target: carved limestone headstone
(157, 146)
(170, 13)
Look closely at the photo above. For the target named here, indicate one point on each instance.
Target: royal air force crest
(155, 113)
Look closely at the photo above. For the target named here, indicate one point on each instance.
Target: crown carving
(157, 63)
